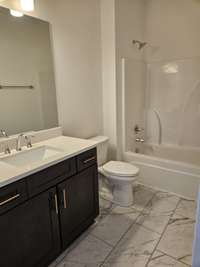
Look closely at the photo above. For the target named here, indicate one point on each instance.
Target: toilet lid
(119, 168)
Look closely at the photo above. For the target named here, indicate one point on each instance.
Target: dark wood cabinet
(30, 233)
(78, 204)
(12, 195)
(43, 213)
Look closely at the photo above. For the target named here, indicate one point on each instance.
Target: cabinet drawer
(87, 159)
(12, 195)
(49, 177)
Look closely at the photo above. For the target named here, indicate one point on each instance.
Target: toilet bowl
(121, 176)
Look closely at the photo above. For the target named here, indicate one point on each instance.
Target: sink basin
(28, 157)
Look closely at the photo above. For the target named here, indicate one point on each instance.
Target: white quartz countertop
(68, 147)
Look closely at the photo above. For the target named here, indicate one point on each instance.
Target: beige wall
(109, 73)
(77, 55)
(172, 29)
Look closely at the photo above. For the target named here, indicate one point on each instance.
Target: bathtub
(170, 168)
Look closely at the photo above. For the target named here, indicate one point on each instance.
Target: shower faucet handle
(137, 129)
(139, 140)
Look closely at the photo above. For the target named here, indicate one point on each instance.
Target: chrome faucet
(139, 140)
(5, 135)
(18, 142)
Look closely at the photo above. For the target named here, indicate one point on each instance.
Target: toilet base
(121, 189)
(123, 195)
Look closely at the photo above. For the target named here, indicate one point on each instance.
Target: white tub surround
(174, 176)
(188, 155)
(65, 147)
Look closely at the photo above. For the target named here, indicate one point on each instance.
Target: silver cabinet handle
(56, 203)
(9, 199)
(64, 198)
(88, 160)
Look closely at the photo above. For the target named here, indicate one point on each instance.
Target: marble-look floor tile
(178, 238)
(186, 208)
(113, 226)
(105, 206)
(134, 249)
(63, 255)
(127, 237)
(157, 213)
(163, 204)
(128, 212)
(142, 195)
(88, 252)
(154, 222)
(161, 260)
(72, 264)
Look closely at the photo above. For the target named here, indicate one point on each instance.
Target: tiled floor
(156, 231)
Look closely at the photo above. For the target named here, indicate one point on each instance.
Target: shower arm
(140, 44)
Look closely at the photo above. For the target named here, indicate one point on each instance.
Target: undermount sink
(28, 157)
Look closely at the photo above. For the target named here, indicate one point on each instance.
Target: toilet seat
(120, 169)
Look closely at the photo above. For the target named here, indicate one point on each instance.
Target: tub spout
(139, 140)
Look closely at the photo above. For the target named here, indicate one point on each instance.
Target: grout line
(149, 229)
(105, 242)
(140, 212)
(146, 265)
(134, 223)
(165, 254)
(64, 254)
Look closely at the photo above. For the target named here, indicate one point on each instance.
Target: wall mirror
(27, 84)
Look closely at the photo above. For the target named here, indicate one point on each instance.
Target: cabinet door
(30, 233)
(78, 197)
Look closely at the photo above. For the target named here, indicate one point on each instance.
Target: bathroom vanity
(48, 192)
(46, 204)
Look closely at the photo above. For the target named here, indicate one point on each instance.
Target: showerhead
(139, 44)
(142, 45)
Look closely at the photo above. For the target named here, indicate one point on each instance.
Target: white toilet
(120, 175)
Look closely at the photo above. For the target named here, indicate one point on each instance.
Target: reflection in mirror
(27, 85)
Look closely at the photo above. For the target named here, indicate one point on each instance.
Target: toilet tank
(102, 148)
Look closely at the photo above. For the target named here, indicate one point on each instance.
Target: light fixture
(16, 13)
(27, 5)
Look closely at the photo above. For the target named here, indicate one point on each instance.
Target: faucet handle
(28, 139)
(137, 129)
(7, 150)
(4, 133)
